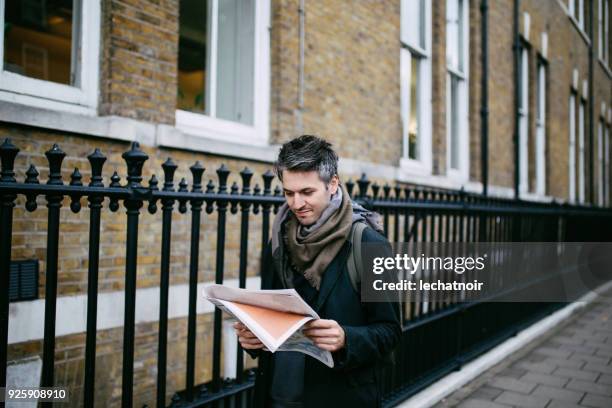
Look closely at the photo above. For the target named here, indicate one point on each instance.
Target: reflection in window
(413, 120)
(192, 55)
(454, 123)
(216, 58)
(456, 83)
(38, 39)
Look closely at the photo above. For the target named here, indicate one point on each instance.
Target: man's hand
(326, 334)
(246, 338)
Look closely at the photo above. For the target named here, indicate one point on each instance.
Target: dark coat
(371, 331)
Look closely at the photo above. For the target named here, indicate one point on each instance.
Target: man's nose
(298, 201)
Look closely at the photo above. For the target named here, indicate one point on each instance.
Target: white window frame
(578, 15)
(572, 147)
(80, 98)
(199, 124)
(462, 173)
(540, 155)
(411, 48)
(603, 27)
(581, 156)
(524, 122)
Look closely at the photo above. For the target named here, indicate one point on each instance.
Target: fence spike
(363, 184)
(268, 176)
(8, 152)
(386, 190)
(31, 178)
(96, 161)
(223, 173)
(134, 159)
(76, 177)
(183, 202)
(350, 185)
(234, 204)
(115, 182)
(153, 182)
(398, 192)
(169, 168)
(32, 175)
(55, 156)
(75, 180)
(197, 170)
(246, 175)
(375, 190)
(256, 192)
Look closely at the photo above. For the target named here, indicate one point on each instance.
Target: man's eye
(288, 194)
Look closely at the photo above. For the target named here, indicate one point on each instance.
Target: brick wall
(351, 83)
(139, 59)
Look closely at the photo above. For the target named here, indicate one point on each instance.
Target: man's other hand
(326, 334)
(246, 338)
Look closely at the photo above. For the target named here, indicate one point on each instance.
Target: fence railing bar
(96, 160)
(222, 173)
(55, 156)
(8, 153)
(135, 159)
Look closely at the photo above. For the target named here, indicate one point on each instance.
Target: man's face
(307, 195)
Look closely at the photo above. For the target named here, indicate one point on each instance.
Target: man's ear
(333, 184)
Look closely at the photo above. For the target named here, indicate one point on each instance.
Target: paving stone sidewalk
(571, 366)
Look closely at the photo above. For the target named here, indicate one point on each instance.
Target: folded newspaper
(276, 317)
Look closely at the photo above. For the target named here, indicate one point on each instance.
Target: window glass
(217, 58)
(38, 39)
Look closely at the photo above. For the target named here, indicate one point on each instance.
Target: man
(309, 250)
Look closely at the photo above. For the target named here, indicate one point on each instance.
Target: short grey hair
(307, 153)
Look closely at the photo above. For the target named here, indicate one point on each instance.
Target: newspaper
(276, 317)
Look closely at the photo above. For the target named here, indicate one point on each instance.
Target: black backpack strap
(354, 262)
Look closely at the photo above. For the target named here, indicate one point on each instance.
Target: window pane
(193, 34)
(452, 33)
(38, 39)
(413, 119)
(454, 122)
(235, 60)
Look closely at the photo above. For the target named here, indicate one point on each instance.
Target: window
(581, 156)
(541, 129)
(415, 65)
(523, 112)
(578, 9)
(456, 88)
(48, 60)
(223, 69)
(603, 30)
(601, 164)
(607, 169)
(572, 147)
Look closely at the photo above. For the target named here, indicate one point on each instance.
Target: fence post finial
(169, 168)
(197, 170)
(223, 173)
(55, 156)
(8, 152)
(363, 184)
(96, 161)
(134, 158)
(268, 176)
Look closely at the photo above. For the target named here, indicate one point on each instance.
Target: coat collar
(332, 274)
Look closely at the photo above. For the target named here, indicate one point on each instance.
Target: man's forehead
(300, 180)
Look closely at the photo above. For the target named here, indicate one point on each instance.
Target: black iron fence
(439, 336)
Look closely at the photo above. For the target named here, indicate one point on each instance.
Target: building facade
(396, 86)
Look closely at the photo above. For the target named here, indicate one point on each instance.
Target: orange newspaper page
(276, 323)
